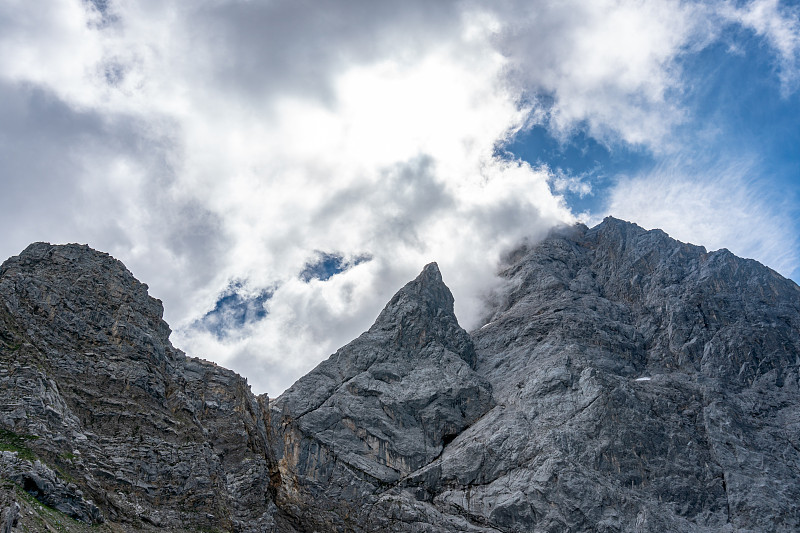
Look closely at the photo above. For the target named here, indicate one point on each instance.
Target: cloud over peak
(222, 140)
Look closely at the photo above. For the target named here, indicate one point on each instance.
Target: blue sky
(736, 107)
(275, 172)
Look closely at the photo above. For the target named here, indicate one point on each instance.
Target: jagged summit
(81, 291)
(642, 358)
(386, 403)
(625, 381)
(108, 420)
(430, 291)
(421, 313)
(431, 270)
(426, 294)
(71, 258)
(429, 276)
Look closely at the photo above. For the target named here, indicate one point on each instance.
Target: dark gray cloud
(59, 185)
(297, 47)
(37, 142)
(48, 149)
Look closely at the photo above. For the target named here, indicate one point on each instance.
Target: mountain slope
(642, 385)
(379, 408)
(128, 430)
(622, 381)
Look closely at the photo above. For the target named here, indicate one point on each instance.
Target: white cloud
(609, 66)
(717, 207)
(242, 153)
(212, 141)
(779, 25)
(563, 181)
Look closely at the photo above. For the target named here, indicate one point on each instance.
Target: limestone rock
(379, 408)
(642, 385)
(622, 381)
(9, 515)
(87, 369)
(48, 487)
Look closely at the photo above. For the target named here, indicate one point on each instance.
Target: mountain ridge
(622, 381)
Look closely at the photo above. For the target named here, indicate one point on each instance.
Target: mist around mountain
(620, 381)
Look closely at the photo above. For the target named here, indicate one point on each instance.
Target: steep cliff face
(114, 424)
(622, 381)
(642, 385)
(638, 384)
(377, 410)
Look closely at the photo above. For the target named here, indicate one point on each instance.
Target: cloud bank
(221, 147)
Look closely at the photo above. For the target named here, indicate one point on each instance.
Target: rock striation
(621, 381)
(377, 410)
(104, 421)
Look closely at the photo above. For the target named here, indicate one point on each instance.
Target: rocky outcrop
(127, 429)
(378, 409)
(48, 487)
(622, 381)
(642, 385)
(9, 515)
(638, 383)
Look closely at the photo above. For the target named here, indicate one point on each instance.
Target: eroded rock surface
(622, 381)
(642, 385)
(378, 409)
(127, 429)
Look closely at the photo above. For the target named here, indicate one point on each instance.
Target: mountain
(621, 381)
(110, 423)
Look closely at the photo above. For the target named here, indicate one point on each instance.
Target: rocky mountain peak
(385, 404)
(422, 312)
(426, 295)
(430, 290)
(625, 381)
(75, 289)
(94, 398)
(71, 262)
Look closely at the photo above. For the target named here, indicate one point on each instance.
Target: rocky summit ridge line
(621, 381)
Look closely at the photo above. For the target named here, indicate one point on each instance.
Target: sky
(275, 170)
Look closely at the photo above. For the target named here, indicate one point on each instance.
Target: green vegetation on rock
(13, 442)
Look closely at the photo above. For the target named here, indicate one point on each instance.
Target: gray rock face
(128, 429)
(9, 515)
(46, 486)
(642, 385)
(622, 381)
(379, 408)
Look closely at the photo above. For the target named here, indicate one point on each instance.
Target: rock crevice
(622, 381)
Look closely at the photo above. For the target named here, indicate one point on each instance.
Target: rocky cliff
(104, 422)
(622, 381)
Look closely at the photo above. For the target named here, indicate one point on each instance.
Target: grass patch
(66, 476)
(12, 442)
